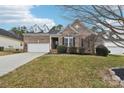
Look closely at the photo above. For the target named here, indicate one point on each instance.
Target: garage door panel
(38, 47)
(116, 50)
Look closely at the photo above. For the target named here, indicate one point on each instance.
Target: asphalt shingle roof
(9, 34)
(53, 31)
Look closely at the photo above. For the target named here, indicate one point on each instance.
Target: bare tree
(108, 20)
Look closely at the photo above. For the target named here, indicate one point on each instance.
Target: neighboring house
(9, 41)
(74, 35)
(114, 48)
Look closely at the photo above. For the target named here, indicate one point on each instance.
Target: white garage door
(38, 47)
(115, 50)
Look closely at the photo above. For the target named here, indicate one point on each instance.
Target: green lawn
(63, 71)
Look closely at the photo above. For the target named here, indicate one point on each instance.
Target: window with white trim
(65, 41)
(69, 41)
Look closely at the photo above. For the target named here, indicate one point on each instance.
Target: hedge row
(101, 50)
(61, 49)
(70, 50)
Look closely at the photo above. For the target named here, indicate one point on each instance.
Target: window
(88, 42)
(66, 41)
(69, 41)
(77, 26)
(82, 42)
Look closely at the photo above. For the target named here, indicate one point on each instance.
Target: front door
(54, 42)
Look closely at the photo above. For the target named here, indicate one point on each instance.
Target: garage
(115, 50)
(38, 47)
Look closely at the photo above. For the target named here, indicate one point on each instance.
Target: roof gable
(77, 27)
(69, 30)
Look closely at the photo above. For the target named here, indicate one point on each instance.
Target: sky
(14, 16)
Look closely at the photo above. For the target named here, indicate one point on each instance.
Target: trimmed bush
(101, 50)
(18, 51)
(61, 49)
(81, 50)
(72, 50)
(1, 48)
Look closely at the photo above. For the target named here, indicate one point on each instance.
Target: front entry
(54, 43)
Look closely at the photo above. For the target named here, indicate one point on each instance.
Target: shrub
(81, 50)
(101, 50)
(1, 48)
(18, 51)
(61, 49)
(72, 50)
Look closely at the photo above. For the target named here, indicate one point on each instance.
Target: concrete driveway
(10, 62)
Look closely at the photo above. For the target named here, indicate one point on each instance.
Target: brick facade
(81, 34)
(83, 37)
(35, 38)
(38, 38)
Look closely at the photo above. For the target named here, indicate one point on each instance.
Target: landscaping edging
(115, 77)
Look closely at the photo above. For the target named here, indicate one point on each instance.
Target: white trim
(36, 34)
(73, 29)
(68, 40)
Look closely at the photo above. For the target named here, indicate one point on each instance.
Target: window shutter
(74, 41)
(82, 42)
(62, 40)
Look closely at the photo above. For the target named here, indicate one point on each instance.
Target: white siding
(9, 42)
(114, 49)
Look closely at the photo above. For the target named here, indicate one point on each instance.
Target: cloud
(21, 15)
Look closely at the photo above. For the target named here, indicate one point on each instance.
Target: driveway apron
(11, 62)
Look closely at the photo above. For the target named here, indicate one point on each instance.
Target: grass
(5, 53)
(62, 71)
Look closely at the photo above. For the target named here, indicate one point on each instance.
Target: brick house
(74, 35)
